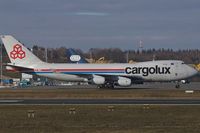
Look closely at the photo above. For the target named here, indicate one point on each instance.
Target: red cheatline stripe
(9, 70)
(79, 69)
(43, 69)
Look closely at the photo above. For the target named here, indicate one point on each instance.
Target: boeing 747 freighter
(102, 75)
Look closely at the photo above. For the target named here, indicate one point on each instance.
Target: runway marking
(10, 101)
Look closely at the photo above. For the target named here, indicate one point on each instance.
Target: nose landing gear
(177, 84)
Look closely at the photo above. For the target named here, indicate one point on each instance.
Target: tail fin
(18, 54)
(72, 54)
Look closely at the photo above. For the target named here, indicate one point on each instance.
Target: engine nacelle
(122, 81)
(98, 80)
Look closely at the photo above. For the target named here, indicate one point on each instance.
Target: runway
(100, 101)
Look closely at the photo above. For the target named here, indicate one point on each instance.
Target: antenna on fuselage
(140, 46)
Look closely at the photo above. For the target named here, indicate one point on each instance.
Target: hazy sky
(89, 24)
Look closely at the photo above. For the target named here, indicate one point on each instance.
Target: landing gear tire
(107, 85)
(100, 86)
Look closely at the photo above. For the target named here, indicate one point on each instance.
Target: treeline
(116, 55)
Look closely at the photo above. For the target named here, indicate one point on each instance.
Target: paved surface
(103, 101)
(191, 86)
(151, 85)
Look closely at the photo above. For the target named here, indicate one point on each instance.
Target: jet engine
(122, 81)
(98, 80)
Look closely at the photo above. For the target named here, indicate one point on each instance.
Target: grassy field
(96, 93)
(97, 119)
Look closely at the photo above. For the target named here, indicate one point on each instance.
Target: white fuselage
(169, 70)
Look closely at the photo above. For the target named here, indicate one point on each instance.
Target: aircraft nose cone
(193, 71)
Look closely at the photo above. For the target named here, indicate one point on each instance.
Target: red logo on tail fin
(17, 52)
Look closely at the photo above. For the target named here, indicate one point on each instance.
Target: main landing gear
(106, 85)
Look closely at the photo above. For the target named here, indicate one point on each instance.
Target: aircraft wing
(13, 67)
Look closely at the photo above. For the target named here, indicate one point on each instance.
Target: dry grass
(97, 119)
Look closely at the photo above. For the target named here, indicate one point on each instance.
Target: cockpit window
(172, 63)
